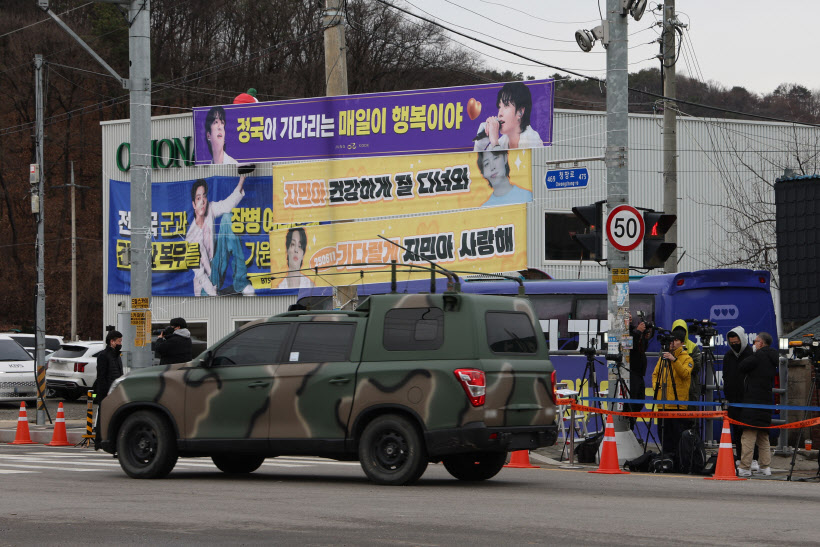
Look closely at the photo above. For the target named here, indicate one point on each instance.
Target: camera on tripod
(591, 351)
(808, 348)
(703, 328)
(665, 337)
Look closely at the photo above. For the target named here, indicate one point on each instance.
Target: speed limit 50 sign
(624, 227)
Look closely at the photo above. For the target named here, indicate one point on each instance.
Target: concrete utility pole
(670, 132)
(139, 50)
(40, 306)
(617, 193)
(73, 187)
(335, 48)
(139, 83)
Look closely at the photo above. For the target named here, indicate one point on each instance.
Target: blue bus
(574, 311)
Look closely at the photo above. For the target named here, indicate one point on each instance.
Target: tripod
(708, 390)
(622, 389)
(661, 383)
(812, 391)
(591, 380)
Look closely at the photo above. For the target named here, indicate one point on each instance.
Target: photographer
(174, 344)
(694, 351)
(641, 335)
(671, 383)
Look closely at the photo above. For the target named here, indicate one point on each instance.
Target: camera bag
(691, 452)
(642, 463)
(587, 450)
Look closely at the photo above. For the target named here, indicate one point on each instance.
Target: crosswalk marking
(82, 460)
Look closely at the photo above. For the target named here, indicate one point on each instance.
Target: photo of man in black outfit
(174, 344)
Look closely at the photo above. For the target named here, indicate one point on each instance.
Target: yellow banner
(388, 186)
(330, 255)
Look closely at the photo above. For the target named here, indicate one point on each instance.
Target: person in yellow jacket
(696, 354)
(671, 383)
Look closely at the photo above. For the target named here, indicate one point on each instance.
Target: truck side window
(258, 345)
(320, 342)
(413, 329)
(510, 332)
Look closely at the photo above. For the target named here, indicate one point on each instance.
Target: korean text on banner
(476, 241)
(208, 236)
(453, 119)
(388, 186)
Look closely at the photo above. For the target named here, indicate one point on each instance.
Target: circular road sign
(624, 227)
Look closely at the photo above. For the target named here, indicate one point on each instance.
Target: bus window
(558, 308)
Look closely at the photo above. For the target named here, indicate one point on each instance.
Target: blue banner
(210, 237)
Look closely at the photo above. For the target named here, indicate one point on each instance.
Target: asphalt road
(70, 496)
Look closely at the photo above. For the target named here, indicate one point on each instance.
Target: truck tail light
(552, 387)
(777, 386)
(79, 367)
(474, 384)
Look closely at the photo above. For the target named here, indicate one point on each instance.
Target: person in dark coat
(637, 368)
(174, 344)
(733, 379)
(109, 365)
(760, 370)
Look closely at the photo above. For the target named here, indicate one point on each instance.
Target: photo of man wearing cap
(174, 343)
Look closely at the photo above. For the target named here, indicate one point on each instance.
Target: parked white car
(17, 382)
(72, 369)
(28, 341)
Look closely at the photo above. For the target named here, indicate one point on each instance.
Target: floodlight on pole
(587, 38)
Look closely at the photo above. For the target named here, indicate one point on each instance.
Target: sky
(749, 43)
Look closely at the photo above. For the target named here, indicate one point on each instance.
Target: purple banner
(453, 119)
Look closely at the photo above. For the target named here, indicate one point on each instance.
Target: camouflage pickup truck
(402, 381)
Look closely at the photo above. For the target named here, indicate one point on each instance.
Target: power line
(593, 78)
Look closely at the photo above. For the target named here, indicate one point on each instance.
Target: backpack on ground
(587, 450)
(709, 468)
(642, 463)
(662, 463)
(691, 452)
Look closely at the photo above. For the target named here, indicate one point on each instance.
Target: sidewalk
(805, 465)
(42, 434)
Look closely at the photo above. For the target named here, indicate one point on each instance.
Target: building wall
(719, 162)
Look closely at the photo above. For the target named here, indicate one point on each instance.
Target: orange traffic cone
(22, 436)
(725, 468)
(609, 452)
(59, 437)
(521, 460)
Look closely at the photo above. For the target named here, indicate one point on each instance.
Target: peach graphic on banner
(473, 109)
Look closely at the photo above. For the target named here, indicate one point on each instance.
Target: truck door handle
(338, 381)
(259, 383)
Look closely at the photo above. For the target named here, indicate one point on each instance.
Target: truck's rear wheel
(146, 446)
(477, 466)
(391, 451)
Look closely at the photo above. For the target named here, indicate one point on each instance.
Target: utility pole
(617, 193)
(139, 84)
(139, 50)
(40, 306)
(335, 48)
(670, 131)
(73, 187)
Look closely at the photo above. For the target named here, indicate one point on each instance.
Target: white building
(720, 163)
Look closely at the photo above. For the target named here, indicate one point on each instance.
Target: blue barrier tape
(699, 403)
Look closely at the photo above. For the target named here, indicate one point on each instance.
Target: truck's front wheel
(391, 451)
(477, 466)
(146, 446)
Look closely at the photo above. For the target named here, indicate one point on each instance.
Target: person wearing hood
(733, 379)
(760, 370)
(695, 353)
(672, 384)
(174, 344)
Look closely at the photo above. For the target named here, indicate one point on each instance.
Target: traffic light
(655, 250)
(593, 240)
